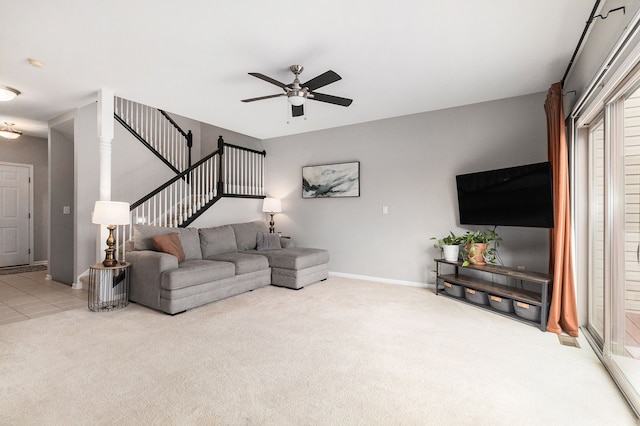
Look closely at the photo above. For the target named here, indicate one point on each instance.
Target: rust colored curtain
(563, 314)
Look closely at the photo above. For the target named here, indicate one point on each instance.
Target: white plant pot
(451, 252)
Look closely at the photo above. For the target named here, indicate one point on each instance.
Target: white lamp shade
(111, 213)
(271, 205)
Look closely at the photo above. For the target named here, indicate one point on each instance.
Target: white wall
(231, 210)
(408, 164)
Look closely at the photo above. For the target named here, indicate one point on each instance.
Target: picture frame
(331, 180)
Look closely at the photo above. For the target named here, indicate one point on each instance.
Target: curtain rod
(584, 34)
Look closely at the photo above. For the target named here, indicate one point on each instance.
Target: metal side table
(108, 287)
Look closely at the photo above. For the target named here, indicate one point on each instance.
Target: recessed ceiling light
(36, 63)
(8, 93)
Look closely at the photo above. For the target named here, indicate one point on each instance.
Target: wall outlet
(521, 268)
(385, 209)
(66, 209)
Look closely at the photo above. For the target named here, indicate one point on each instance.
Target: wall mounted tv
(515, 196)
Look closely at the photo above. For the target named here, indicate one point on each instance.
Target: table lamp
(271, 206)
(111, 213)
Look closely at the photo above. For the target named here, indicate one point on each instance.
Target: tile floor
(30, 295)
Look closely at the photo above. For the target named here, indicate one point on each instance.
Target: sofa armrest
(147, 267)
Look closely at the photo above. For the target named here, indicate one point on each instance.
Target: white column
(105, 137)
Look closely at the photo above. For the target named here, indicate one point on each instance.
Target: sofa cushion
(195, 272)
(244, 263)
(217, 240)
(169, 243)
(189, 238)
(246, 233)
(295, 258)
(266, 241)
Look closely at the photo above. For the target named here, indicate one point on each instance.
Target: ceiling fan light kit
(9, 132)
(296, 99)
(8, 93)
(297, 93)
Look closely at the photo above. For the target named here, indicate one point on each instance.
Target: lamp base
(109, 259)
(272, 228)
(110, 262)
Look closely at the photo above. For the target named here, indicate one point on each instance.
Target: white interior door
(14, 215)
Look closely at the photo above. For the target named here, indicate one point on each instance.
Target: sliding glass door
(613, 271)
(596, 227)
(624, 345)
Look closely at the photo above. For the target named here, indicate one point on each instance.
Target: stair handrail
(138, 119)
(171, 181)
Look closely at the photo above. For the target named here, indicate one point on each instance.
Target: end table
(108, 287)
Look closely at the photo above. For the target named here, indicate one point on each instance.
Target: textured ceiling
(192, 57)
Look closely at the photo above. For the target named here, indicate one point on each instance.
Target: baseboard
(78, 284)
(41, 262)
(382, 280)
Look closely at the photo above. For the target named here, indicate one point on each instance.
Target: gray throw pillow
(246, 233)
(287, 242)
(265, 241)
(217, 240)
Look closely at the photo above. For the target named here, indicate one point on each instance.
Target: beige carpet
(341, 352)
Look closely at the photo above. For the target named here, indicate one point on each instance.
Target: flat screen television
(514, 196)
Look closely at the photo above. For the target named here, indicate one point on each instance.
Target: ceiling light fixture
(9, 132)
(8, 93)
(296, 97)
(35, 62)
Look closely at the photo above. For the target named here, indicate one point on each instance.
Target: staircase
(230, 171)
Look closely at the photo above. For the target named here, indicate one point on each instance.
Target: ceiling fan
(298, 93)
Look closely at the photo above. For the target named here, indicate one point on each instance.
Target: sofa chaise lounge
(175, 269)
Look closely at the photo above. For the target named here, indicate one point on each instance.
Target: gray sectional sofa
(219, 262)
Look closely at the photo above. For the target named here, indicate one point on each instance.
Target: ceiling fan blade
(297, 111)
(268, 79)
(322, 80)
(263, 97)
(336, 100)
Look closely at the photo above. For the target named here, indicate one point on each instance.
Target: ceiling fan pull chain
(288, 114)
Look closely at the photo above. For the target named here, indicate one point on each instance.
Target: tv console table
(540, 299)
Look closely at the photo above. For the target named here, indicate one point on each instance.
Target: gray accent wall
(210, 134)
(87, 188)
(62, 225)
(408, 164)
(33, 150)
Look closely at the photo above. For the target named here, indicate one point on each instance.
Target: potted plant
(449, 246)
(477, 249)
